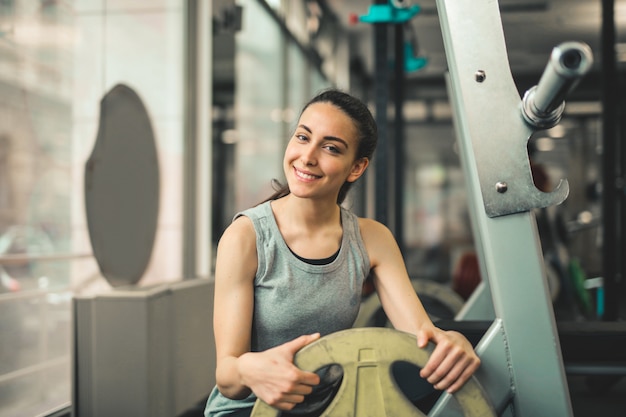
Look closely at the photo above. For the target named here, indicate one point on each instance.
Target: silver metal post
(543, 104)
(522, 367)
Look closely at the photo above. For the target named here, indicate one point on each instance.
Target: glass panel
(273, 80)
(318, 81)
(298, 86)
(258, 105)
(34, 355)
(57, 60)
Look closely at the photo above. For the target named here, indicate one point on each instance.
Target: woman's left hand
(452, 362)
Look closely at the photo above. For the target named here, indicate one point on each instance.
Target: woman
(292, 268)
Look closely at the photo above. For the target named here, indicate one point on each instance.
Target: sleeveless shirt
(293, 297)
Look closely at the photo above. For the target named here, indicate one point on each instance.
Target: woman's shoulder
(236, 259)
(373, 230)
(371, 225)
(243, 222)
(258, 211)
(240, 231)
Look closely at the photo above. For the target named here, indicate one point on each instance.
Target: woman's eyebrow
(333, 138)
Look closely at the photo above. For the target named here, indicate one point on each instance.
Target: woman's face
(321, 154)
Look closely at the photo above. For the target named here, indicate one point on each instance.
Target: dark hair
(363, 121)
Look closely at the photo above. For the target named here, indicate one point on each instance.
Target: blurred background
(223, 82)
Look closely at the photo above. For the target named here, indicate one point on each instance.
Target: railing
(35, 344)
(19, 259)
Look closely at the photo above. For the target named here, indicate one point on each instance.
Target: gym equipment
(368, 388)
(440, 302)
(522, 366)
(544, 103)
(391, 12)
(412, 62)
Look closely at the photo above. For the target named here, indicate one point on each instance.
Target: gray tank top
(293, 297)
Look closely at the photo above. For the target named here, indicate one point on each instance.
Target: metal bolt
(502, 187)
(480, 76)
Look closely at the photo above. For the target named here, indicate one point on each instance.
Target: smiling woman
(353, 121)
(301, 263)
(316, 159)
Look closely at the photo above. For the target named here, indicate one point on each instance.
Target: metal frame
(196, 245)
(522, 366)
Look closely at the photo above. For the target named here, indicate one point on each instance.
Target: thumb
(422, 338)
(298, 343)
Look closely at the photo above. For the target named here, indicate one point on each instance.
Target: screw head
(480, 76)
(502, 187)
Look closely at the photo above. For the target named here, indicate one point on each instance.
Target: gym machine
(522, 371)
(522, 366)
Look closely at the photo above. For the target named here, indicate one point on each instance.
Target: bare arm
(271, 374)
(454, 360)
(233, 304)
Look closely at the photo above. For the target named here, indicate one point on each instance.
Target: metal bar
(595, 369)
(621, 196)
(381, 97)
(479, 306)
(196, 250)
(19, 259)
(498, 385)
(490, 130)
(398, 129)
(190, 142)
(33, 369)
(204, 150)
(543, 104)
(610, 221)
(504, 173)
(24, 295)
(62, 410)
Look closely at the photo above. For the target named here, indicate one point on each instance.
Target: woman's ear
(358, 169)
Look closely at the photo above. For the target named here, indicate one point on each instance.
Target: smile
(304, 175)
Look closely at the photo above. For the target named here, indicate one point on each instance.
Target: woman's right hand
(273, 377)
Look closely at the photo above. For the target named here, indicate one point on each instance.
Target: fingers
(287, 402)
(298, 343)
(287, 398)
(462, 379)
(284, 384)
(453, 372)
(309, 378)
(302, 377)
(422, 340)
(451, 364)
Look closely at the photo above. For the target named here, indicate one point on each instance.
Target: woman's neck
(307, 213)
(311, 231)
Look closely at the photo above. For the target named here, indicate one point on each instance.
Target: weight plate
(368, 388)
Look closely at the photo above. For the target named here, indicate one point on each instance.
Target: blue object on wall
(411, 62)
(388, 13)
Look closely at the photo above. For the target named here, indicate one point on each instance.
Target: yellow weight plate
(368, 388)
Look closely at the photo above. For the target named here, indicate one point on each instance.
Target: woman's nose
(309, 156)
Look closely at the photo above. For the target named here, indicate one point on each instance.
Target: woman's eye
(333, 149)
(301, 138)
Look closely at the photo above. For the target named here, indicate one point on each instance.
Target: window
(57, 60)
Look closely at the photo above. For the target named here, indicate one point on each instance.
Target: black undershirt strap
(323, 261)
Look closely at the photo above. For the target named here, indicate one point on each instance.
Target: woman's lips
(307, 176)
